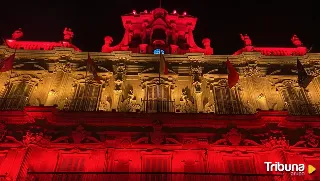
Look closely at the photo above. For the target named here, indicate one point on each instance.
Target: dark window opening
(159, 34)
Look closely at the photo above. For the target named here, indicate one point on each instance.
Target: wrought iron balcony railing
(304, 109)
(232, 107)
(81, 104)
(148, 176)
(15, 103)
(151, 106)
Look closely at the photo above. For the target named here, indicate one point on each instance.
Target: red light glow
(134, 12)
(174, 12)
(184, 13)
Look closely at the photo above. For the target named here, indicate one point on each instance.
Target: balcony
(152, 106)
(15, 103)
(81, 104)
(304, 109)
(231, 107)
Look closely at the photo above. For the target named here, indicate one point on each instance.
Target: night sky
(268, 23)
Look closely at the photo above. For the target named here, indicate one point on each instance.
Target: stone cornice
(69, 53)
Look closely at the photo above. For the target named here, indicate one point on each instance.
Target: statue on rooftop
(17, 34)
(68, 34)
(107, 48)
(296, 41)
(246, 39)
(206, 42)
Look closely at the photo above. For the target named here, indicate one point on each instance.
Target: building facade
(58, 123)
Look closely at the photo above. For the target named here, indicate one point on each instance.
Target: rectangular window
(86, 97)
(70, 163)
(158, 98)
(189, 169)
(297, 101)
(245, 165)
(17, 96)
(122, 167)
(155, 165)
(227, 100)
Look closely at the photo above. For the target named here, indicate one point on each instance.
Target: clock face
(157, 51)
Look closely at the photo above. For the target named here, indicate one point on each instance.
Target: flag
(303, 78)
(163, 65)
(91, 67)
(233, 76)
(7, 63)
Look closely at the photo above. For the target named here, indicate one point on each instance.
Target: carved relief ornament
(63, 67)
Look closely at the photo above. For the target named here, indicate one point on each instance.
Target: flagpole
(158, 87)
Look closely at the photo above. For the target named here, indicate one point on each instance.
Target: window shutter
(157, 164)
(70, 163)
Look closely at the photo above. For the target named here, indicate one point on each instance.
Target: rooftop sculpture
(150, 32)
(170, 32)
(299, 49)
(15, 43)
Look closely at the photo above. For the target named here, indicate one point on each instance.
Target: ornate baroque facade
(55, 118)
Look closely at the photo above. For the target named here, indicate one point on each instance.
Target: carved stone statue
(107, 45)
(246, 39)
(68, 34)
(206, 44)
(17, 34)
(296, 41)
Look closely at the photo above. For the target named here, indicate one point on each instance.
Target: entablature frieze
(229, 140)
(69, 53)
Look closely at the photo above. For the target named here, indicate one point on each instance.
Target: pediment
(159, 23)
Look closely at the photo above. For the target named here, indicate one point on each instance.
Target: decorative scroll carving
(309, 139)
(78, 136)
(130, 104)
(126, 143)
(252, 70)
(274, 142)
(64, 67)
(36, 138)
(235, 138)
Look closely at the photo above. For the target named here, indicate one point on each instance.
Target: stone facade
(58, 123)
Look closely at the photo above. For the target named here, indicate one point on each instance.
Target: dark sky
(268, 23)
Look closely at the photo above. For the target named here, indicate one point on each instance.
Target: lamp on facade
(145, 11)
(184, 13)
(174, 12)
(134, 12)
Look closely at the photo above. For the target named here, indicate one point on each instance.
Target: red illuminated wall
(45, 140)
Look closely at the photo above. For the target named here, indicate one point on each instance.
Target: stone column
(116, 97)
(120, 72)
(199, 101)
(196, 71)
